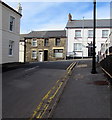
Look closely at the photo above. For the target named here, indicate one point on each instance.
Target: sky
(40, 16)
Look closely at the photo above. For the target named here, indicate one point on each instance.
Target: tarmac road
(23, 89)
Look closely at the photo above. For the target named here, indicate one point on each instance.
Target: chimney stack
(69, 17)
(19, 8)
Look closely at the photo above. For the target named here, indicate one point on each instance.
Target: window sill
(77, 37)
(78, 51)
(104, 37)
(10, 55)
(33, 46)
(90, 37)
(34, 58)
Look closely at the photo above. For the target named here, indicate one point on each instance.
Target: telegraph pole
(94, 53)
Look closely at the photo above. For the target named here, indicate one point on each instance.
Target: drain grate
(99, 83)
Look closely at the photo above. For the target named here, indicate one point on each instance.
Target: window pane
(46, 42)
(57, 41)
(77, 46)
(11, 23)
(34, 54)
(90, 33)
(78, 33)
(105, 33)
(34, 43)
(58, 53)
(11, 43)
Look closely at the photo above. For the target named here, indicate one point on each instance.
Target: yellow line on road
(69, 66)
(50, 99)
(38, 109)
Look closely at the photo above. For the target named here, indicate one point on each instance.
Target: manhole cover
(99, 83)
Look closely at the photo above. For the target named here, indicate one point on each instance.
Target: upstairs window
(11, 46)
(46, 42)
(57, 43)
(12, 20)
(105, 33)
(34, 43)
(90, 33)
(78, 33)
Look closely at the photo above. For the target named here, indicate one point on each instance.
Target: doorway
(45, 55)
(90, 49)
(40, 56)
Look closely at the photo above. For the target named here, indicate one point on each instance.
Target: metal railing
(105, 49)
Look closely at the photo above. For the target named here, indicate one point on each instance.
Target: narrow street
(24, 88)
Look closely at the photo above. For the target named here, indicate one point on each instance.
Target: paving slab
(86, 95)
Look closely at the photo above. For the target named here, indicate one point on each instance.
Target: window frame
(57, 42)
(46, 42)
(12, 23)
(77, 35)
(89, 34)
(34, 57)
(34, 42)
(103, 34)
(58, 51)
(77, 47)
(11, 48)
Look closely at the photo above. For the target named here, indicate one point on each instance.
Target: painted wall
(8, 35)
(84, 40)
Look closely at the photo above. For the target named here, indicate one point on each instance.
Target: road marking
(31, 68)
(53, 92)
(69, 66)
(106, 72)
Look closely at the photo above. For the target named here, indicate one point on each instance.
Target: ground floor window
(34, 54)
(78, 46)
(58, 53)
(11, 47)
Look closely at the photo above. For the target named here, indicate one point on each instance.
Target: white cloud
(35, 16)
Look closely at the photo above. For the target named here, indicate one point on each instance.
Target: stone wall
(40, 47)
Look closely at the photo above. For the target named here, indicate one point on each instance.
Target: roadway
(24, 88)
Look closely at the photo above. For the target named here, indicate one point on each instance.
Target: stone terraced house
(44, 46)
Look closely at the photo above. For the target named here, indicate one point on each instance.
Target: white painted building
(80, 36)
(10, 33)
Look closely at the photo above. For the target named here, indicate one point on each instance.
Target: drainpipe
(24, 50)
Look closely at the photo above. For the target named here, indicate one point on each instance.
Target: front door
(40, 56)
(45, 55)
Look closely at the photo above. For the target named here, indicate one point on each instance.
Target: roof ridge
(48, 31)
(91, 19)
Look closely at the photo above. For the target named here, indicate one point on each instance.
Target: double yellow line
(69, 69)
(47, 99)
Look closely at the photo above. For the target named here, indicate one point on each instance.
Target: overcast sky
(54, 15)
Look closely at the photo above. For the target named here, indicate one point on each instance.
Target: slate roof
(44, 34)
(100, 23)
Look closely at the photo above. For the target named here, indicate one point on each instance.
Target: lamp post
(94, 53)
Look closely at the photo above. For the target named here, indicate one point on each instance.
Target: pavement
(86, 95)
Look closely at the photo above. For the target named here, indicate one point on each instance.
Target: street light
(94, 53)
